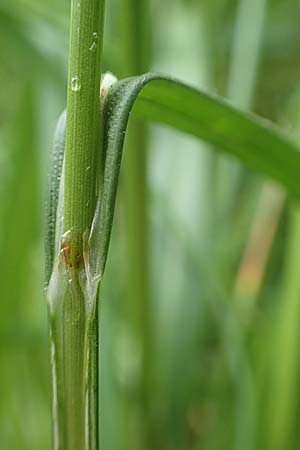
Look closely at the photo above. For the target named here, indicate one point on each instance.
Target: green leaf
(53, 202)
(254, 141)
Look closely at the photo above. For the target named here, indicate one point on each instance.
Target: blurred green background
(200, 306)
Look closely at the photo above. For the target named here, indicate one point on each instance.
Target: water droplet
(75, 84)
(88, 168)
(93, 46)
(95, 39)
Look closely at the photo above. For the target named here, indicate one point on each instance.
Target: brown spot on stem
(65, 252)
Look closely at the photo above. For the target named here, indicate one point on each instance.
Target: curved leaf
(255, 141)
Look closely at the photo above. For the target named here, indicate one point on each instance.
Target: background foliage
(201, 303)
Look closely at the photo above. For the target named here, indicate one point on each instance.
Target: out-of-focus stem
(134, 19)
(245, 52)
(284, 374)
(241, 81)
(254, 260)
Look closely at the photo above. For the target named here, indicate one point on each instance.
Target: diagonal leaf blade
(259, 144)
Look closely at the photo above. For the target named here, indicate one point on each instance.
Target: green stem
(73, 348)
(285, 369)
(243, 70)
(134, 25)
(74, 352)
(83, 114)
(72, 291)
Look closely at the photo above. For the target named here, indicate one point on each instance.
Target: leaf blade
(256, 142)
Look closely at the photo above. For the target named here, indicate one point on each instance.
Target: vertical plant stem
(284, 371)
(243, 70)
(72, 292)
(73, 348)
(134, 21)
(83, 113)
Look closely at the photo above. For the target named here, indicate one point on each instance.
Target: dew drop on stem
(75, 84)
(94, 43)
